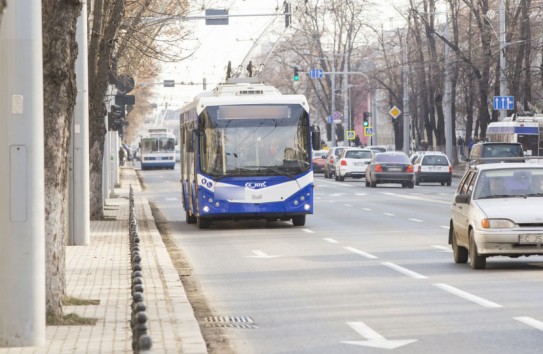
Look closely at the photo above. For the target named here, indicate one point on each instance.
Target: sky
(216, 45)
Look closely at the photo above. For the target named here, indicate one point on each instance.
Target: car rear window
(358, 155)
(392, 158)
(435, 160)
(502, 151)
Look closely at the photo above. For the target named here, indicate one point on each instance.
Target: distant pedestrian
(122, 156)
(460, 144)
(470, 144)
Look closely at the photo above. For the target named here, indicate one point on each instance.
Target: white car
(496, 211)
(352, 162)
(433, 166)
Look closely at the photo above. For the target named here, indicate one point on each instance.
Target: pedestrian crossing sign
(350, 134)
(368, 131)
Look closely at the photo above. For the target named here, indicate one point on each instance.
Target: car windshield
(505, 183)
(396, 158)
(354, 154)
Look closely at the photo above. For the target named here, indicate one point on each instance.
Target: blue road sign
(315, 73)
(504, 103)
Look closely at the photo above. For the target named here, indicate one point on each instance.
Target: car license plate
(530, 238)
(358, 163)
(394, 169)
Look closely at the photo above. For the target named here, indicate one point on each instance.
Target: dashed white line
(464, 294)
(415, 220)
(530, 322)
(388, 214)
(361, 253)
(348, 205)
(367, 209)
(308, 231)
(331, 240)
(405, 271)
(442, 248)
(445, 227)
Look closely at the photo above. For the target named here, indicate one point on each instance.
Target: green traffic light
(296, 78)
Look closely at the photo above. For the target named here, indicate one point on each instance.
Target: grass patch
(74, 301)
(70, 319)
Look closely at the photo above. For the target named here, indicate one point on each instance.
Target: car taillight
(410, 168)
(450, 169)
(331, 160)
(343, 163)
(419, 169)
(378, 168)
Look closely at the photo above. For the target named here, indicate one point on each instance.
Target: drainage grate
(230, 322)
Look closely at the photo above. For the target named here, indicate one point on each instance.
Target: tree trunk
(59, 54)
(100, 52)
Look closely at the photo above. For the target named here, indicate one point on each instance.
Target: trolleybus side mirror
(315, 137)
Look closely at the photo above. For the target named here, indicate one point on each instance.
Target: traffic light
(296, 76)
(367, 117)
(287, 14)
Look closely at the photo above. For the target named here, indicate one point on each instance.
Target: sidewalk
(102, 271)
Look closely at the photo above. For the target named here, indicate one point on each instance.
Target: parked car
(319, 157)
(433, 166)
(331, 159)
(390, 167)
(352, 162)
(496, 211)
(491, 152)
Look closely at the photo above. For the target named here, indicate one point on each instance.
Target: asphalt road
(370, 270)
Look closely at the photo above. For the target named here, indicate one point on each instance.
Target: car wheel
(373, 184)
(476, 261)
(341, 179)
(298, 220)
(442, 183)
(411, 185)
(367, 183)
(449, 182)
(417, 182)
(460, 254)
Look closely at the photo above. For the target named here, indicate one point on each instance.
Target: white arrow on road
(260, 254)
(374, 339)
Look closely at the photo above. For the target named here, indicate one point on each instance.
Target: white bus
(157, 149)
(524, 131)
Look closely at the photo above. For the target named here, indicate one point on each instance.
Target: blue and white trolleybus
(246, 154)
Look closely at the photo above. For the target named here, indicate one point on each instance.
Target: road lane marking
(446, 227)
(361, 253)
(308, 231)
(464, 294)
(374, 339)
(415, 220)
(388, 214)
(530, 322)
(348, 205)
(442, 248)
(417, 198)
(260, 254)
(404, 271)
(331, 240)
(361, 194)
(367, 209)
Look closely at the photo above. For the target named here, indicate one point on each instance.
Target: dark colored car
(390, 167)
(492, 152)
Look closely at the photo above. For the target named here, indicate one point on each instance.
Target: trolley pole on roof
(22, 243)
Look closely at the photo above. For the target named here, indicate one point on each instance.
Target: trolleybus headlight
(302, 198)
(307, 206)
(206, 209)
(210, 200)
(296, 202)
(217, 204)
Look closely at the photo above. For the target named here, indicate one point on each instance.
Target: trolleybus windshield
(254, 140)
